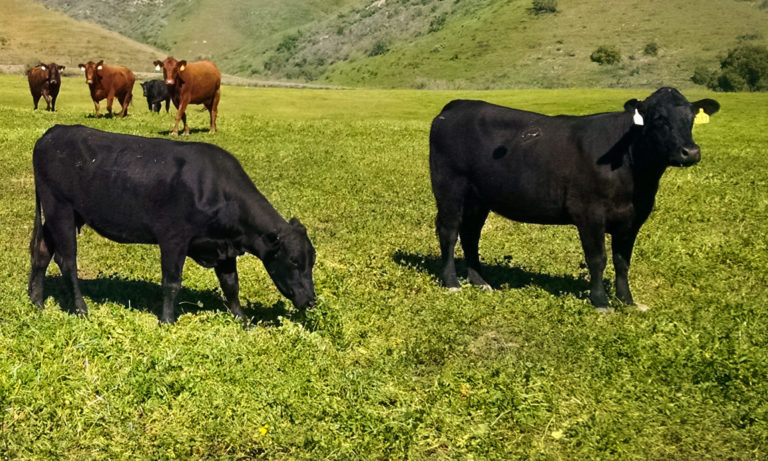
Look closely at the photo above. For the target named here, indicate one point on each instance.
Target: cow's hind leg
(63, 232)
(213, 109)
(226, 271)
(449, 195)
(41, 251)
(593, 244)
(172, 256)
(471, 227)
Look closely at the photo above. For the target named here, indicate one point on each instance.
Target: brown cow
(109, 82)
(191, 83)
(45, 81)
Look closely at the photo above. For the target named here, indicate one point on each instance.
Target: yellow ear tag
(182, 68)
(701, 117)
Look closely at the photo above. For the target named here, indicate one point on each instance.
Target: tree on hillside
(744, 68)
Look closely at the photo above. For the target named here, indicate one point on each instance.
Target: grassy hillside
(210, 29)
(438, 43)
(391, 365)
(30, 33)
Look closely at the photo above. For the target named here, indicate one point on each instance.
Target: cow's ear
(158, 65)
(62, 68)
(298, 225)
(182, 65)
(710, 106)
(81, 67)
(631, 105)
(42, 66)
(100, 65)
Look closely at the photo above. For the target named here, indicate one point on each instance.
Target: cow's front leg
(226, 271)
(172, 258)
(95, 109)
(47, 97)
(593, 244)
(622, 245)
(181, 116)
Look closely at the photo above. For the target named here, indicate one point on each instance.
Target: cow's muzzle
(687, 156)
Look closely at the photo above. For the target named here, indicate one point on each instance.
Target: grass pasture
(390, 365)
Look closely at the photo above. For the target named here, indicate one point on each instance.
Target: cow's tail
(37, 230)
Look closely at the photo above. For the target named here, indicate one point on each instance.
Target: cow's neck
(260, 219)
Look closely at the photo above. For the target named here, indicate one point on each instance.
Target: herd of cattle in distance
(183, 83)
(598, 172)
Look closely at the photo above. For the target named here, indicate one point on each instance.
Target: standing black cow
(192, 199)
(599, 172)
(156, 91)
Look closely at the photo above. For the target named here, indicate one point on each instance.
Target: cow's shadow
(148, 297)
(181, 133)
(499, 276)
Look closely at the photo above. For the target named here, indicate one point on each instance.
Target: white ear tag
(638, 119)
(42, 67)
(100, 67)
(157, 67)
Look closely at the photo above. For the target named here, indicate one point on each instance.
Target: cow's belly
(121, 230)
(530, 200)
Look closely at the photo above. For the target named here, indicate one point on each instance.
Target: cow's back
(129, 188)
(202, 80)
(36, 78)
(524, 165)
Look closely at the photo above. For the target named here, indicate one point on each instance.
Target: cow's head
(92, 71)
(171, 68)
(666, 120)
(289, 260)
(144, 87)
(51, 72)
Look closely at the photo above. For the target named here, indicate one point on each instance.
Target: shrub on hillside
(605, 55)
(744, 68)
(651, 49)
(378, 48)
(544, 6)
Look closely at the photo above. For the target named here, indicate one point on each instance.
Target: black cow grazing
(191, 199)
(156, 91)
(599, 172)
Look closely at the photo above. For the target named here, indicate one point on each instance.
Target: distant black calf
(191, 199)
(599, 172)
(156, 91)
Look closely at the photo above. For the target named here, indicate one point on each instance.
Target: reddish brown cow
(191, 83)
(109, 82)
(45, 81)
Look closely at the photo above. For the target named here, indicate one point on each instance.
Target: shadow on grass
(148, 297)
(181, 132)
(498, 276)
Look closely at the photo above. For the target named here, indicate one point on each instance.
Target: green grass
(391, 365)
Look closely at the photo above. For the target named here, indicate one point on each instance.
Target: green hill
(440, 43)
(30, 33)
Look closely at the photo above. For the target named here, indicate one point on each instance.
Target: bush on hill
(605, 55)
(744, 68)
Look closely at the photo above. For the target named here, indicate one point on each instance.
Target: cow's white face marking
(638, 119)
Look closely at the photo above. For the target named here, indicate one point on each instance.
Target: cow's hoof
(642, 308)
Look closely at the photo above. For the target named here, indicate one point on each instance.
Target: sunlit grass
(390, 365)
